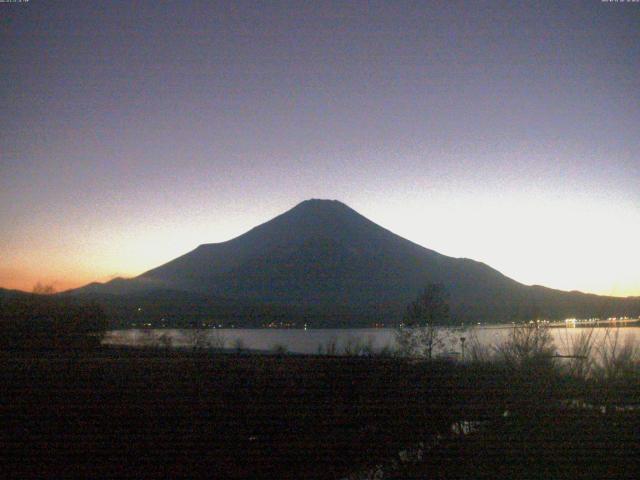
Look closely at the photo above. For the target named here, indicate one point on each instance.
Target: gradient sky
(506, 132)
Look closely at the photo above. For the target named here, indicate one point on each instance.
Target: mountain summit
(323, 256)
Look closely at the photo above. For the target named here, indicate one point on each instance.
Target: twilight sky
(506, 132)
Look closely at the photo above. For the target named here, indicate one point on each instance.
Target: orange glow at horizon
(530, 240)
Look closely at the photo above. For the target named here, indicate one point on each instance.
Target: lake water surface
(309, 341)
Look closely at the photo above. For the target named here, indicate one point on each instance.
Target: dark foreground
(158, 414)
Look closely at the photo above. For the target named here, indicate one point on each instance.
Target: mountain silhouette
(323, 256)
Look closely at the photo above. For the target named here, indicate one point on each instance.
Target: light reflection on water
(308, 341)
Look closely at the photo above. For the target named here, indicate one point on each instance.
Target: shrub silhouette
(528, 347)
(44, 323)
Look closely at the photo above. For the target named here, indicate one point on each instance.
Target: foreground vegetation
(158, 412)
(43, 323)
(511, 411)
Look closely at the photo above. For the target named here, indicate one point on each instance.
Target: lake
(309, 341)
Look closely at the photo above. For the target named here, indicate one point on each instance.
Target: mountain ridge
(322, 255)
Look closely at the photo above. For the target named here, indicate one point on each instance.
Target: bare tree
(476, 351)
(197, 338)
(528, 346)
(616, 359)
(165, 341)
(217, 340)
(580, 348)
(329, 348)
(42, 289)
(239, 345)
(419, 333)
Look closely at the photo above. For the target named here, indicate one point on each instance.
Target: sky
(506, 132)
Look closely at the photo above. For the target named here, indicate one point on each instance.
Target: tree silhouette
(42, 289)
(418, 334)
(430, 308)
